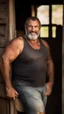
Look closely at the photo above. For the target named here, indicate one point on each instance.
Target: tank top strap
(41, 43)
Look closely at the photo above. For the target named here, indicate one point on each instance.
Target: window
(43, 14)
(57, 14)
(50, 16)
(44, 31)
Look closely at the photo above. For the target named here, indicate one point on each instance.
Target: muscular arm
(11, 52)
(50, 70)
(50, 67)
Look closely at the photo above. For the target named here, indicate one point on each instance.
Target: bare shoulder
(13, 49)
(45, 43)
(16, 43)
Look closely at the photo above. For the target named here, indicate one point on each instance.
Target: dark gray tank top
(30, 66)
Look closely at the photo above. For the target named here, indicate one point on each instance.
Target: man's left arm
(50, 70)
(50, 73)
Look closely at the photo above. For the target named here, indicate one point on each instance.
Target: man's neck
(33, 41)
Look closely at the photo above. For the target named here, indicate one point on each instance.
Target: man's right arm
(11, 52)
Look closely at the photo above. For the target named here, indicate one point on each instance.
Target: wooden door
(7, 32)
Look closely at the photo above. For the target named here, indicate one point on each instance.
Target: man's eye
(29, 26)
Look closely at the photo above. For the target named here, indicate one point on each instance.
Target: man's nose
(33, 29)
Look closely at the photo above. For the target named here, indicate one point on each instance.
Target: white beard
(32, 36)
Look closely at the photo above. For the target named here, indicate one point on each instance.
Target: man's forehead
(33, 22)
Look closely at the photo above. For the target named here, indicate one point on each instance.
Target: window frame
(50, 25)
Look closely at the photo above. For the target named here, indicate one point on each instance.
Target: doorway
(54, 100)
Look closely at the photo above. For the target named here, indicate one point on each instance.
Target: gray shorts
(33, 98)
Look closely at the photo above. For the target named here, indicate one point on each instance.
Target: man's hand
(11, 93)
(48, 88)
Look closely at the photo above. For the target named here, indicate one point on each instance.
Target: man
(30, 59)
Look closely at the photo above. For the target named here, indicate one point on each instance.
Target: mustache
(33, 32)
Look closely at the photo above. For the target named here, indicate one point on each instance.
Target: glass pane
(57, 14)
(44, 32)
(53, 32)
(43, 14)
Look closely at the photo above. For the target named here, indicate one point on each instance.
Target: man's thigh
(31, 98)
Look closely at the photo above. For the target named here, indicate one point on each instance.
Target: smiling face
(32, 29)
